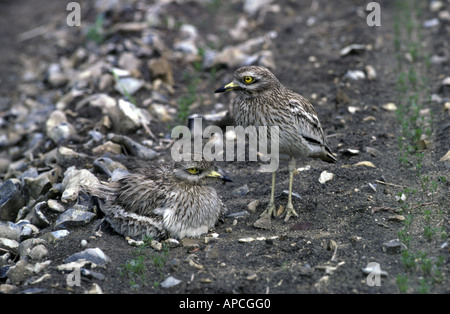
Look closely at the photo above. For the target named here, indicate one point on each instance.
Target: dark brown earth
(343, 223)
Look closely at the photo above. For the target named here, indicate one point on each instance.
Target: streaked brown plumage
(163, 201)
(263, 101)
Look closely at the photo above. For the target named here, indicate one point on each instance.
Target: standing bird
(263, 101)
(167, 201)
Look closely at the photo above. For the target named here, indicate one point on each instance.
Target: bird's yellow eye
(248, 79)
(193, 170)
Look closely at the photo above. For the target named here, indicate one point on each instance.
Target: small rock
(170, 282)
(38, 219)
(107, 147)
(53, 236)
(436, 5)
(74, 218)
(9, 245)
(38, 253)
(94, 255)
(195, 265)
(55, 76)
(211, 238)
(253, 205)
(325, 176)
(364, 163)
(375, 271)
(393, 246)
(20, 272)
(241, 191)
(128, 85)
(9, 230)
(172, 242)
(390, 106)
(264, 222)
(253, 6)
(11, 199)
(431, 23)
(351, 49)
(73, 181)
(396, 218)
(370, 72)
(7, 288)
(372, 151)
(246, 240)
(58, 128)
(107, 165)
(156, 245)
(55, 206)
(353, 109)
(161, 112)
(161, 68)
(67, 155)
(26, 248)
(133, 147)
(351, 151)
(446, 157)
(95, 289)
(127, 117)
(252, 277)
(78, 264)
(28, 231)
(42, 183)
(238, 214)
(355, 75)
(400, 198)
(129, 62)
(294, 194)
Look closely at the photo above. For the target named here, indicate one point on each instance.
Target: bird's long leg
(289, 211)
(270, 210)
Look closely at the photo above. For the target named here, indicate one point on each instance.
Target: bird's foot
(288, 212)
(270, 210)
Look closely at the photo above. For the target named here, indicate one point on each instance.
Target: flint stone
(26, 249)
(28, 231)
(241, 191)
(393, 246)
(9, 230)
(40, 184)
(127, 117)
(55, 206)
(58, 128)
(55, 235)
(20, 272)
(9, 245)
(132, 147)
(11, 199)
(264, 222)
(107, 165)
(94, 255)
(73, 181)
(170, 282)
(74, 218)
(38, 218)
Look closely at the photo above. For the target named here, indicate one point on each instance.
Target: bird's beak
(226, 88)
(215, 174)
